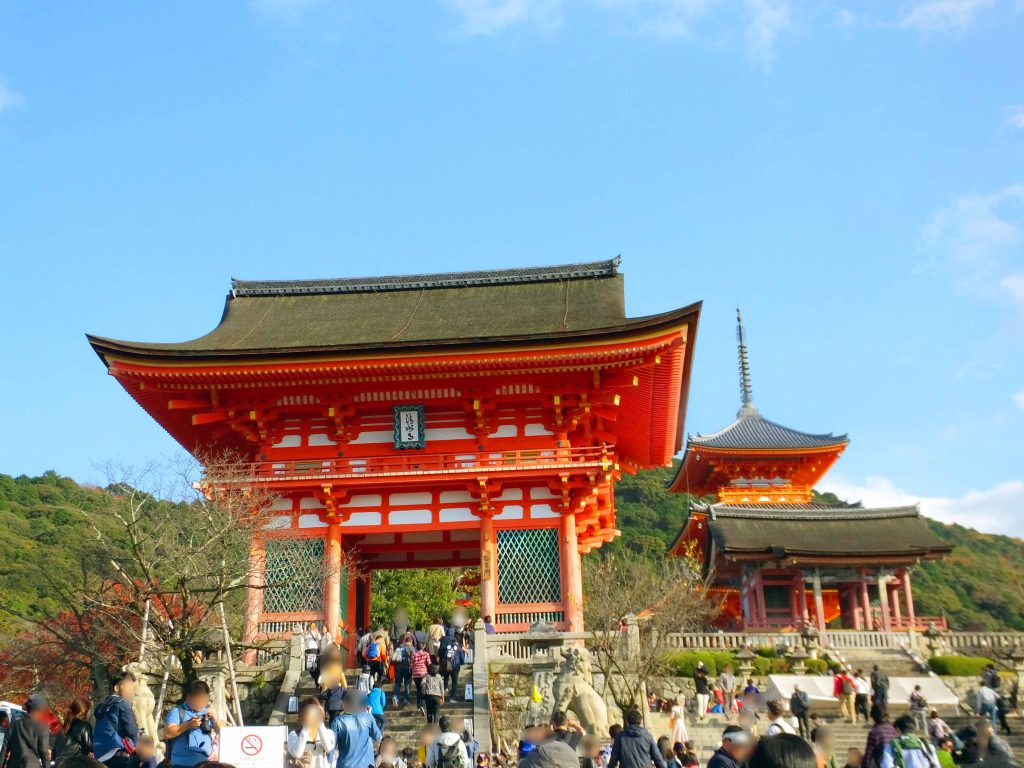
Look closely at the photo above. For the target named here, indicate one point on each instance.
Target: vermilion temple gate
(476, 418)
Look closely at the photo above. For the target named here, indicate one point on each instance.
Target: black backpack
(450, 756)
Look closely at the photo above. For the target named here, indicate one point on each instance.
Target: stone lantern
(746, 657)
(810, 639)
(798, 660)
(1017, 657)
(933, 640)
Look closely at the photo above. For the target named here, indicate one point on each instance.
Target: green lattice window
(293, 575)
(528, 569)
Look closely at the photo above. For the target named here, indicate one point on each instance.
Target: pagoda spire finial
(746, 390)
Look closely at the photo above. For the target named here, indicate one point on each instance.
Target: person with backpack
(908, 750)
(879, 686)
(402, 661)
(451, 653)
(312, 741)
(419, 666)
(990, 676)
(800, 706)
(862, 695)
(845, 690)
(190, 726)
(433, 693)
(448, 750)
(355, 733)
(76, 736)
(115, 733)
(365, 682)
(375, 656)
(919, 709)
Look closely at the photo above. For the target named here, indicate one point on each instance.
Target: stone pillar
(572, 575)
(909, 597)
(819, 603)
(332, 580)
(865, 599)
(883, 599)
(488, 568)
(254, 597)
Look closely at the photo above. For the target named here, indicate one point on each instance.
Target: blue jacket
(193, 746)
(377, 701)
(115, 722)
(356, 735)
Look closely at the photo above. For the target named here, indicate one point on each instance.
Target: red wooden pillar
(894, 602)
(332, 580)
(366, 618)
(883, 599)
(572, 576)
(762, 611)
(865, 602)
(909, 596)
(254, 596)
(488, 568)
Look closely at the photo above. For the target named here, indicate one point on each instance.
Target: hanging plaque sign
(409, 431)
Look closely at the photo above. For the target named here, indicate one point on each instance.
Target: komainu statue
(574, 692)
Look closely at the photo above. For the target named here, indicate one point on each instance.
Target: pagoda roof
(778, 531)
(271, 317)
(751, 431)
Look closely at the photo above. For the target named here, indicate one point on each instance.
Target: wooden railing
(429, 464)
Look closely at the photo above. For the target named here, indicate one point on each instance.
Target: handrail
(355, 467)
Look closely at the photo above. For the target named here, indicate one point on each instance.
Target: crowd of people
(345, 725)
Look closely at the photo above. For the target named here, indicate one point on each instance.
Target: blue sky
(852, 174)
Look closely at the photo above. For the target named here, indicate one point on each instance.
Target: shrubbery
(766, 662)
(958, 666)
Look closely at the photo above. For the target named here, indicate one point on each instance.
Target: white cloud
(939, 15)
(1016, 119)
(844, 18)
(483, 17)
(999, 509)
(1018, 399)
(771, 18)
(9, 98)
(978, 239)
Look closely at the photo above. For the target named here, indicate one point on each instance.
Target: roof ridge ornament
(747, 407)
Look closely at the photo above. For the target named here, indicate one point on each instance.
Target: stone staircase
(895, 662)
(708, 734)
(402, 723)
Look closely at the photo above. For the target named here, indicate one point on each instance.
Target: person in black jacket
(737, 744)
(635, 747)
(76, 738)
(28, 739)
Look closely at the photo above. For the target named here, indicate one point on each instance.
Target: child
(590, 749)
(433, 693)
(365, 684)
(377, 701)
(311, 742)
(853, 757)
(145, 753)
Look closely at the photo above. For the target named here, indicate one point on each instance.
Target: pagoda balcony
(413, 467)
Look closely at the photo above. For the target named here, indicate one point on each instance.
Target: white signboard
(253, 747)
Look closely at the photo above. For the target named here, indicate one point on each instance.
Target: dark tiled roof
(752, 431)
(791, 531)
(516, 305)
(606, 268)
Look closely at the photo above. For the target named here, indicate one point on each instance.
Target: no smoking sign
(251, 745)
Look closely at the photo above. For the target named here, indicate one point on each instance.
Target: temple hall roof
(449, 309)
(782, 531)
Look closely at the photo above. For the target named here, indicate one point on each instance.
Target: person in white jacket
(449, 751)
(312, 741)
